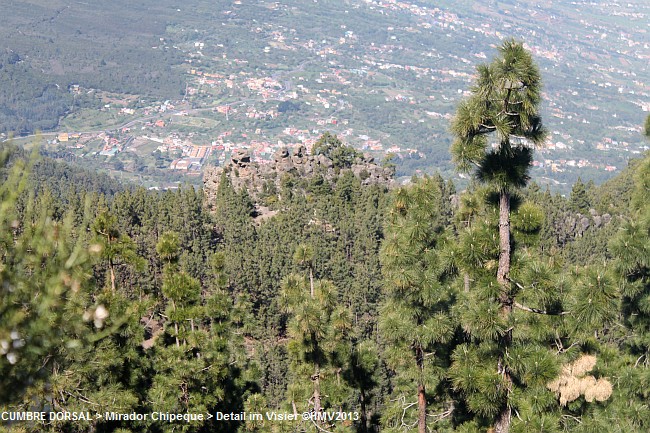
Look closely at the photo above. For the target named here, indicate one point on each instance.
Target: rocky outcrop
(578, 224)
(245, 173)
(566, 227)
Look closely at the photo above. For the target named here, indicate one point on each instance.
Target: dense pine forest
(502, 307)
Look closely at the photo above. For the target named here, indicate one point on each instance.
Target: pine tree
(332, 147)
(191, 357)
(237, 237)
(415, 321)
(579, 197)
(117, 248)
(504, 104)
(631, 248)
(318, 331)
(304, 257)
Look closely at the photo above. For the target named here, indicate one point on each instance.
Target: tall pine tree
(504, 106)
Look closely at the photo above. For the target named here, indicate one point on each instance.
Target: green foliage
(504, 103)
(527, 223)
(84, 53)
(579, 199)
(47, 314)
(153, 342)
(415, 323)
(360, 299)
(631, 247)
(595, 301)
(508, 354)
(116, 248)
(191, 358)
(318, 347)
(288, 106)
(304, 255)
(332, 147)
(168, 246)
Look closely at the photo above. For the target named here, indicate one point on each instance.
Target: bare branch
(405, 407)
(486, 128)
(534, 310)
(560, 346)
(639, 360)
(576, 419)
(538, 311)
(443, 415)
(318, 427)
(82, 398)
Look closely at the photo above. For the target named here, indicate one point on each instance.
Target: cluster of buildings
(328, 102)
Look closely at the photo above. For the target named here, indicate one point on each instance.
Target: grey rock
(300, 152)
(240, 157)
(281, 154)
(324, 161)
(598, 221)
(243, 173)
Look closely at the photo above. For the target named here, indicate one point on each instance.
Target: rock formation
(244, 173)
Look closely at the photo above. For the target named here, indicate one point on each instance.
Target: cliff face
(243, 173)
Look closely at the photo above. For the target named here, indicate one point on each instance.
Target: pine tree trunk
(317, 406)
(175, 325)
(502, 424)
(112, 270)
(364, 411)
(504, 245)
(422, 398)
(422, 409)
(311, 282)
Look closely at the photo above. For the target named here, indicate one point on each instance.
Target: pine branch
(560, 346)
(486, 128)
(405, 407)
(636, 364)
(443, 415)
(82, 398)
(534, 310)
(318, 427)
(538, 311)
(520, 137)
(576, 419)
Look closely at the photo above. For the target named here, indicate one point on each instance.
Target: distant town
(230, 102)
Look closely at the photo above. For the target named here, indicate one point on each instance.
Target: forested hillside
(324, 303)
(122, 299)
(53, 45)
